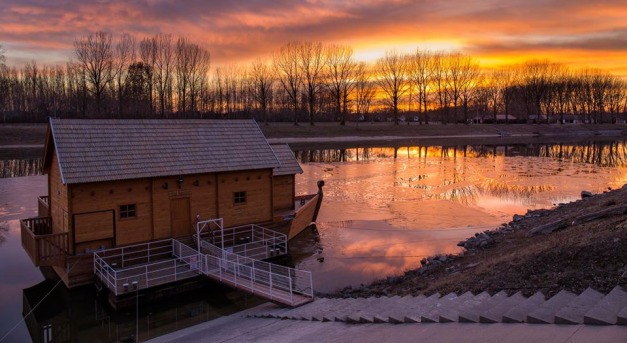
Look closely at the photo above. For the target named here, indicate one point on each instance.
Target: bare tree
(261, 83)
(157, 53)
(504, 81)
(95, 55)
(469, 77)
(439, 76)
(391, 70)
(286, 67)
(124, 56)
(311, 62)
(340, 69)
(3, 58)
(364, 88)
(420, 73)
(198, 70)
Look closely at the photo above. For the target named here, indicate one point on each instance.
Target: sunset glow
(578, 33)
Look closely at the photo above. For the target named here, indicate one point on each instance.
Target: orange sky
(576, 32)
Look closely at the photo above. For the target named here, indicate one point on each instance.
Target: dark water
(384, 209)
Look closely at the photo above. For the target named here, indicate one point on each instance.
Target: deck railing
(251, 241)
(141, 266)
(259, 277)
(44, 247)
(132, 268)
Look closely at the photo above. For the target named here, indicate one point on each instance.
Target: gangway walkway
(129, 269)
(277, 283)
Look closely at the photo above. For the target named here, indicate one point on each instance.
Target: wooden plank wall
(107, 196)
(303, 217)
(283, 192)
(211, 196)
(199, 188)
(258, 187)
(58, 198)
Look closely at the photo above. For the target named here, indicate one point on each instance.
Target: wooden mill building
(119, 182)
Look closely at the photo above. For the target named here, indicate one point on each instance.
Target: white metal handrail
(129, 278)
(150, 264)
(252, 273)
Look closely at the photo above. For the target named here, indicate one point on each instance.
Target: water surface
(385, 209)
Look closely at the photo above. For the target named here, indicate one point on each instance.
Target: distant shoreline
(327, 135)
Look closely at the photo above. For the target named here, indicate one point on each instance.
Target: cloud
(241, 30)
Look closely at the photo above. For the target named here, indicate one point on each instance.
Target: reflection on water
(78, 316)
(14, 168)
(600, 153)
(387, 208)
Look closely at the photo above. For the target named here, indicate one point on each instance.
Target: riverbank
(33, 134)
(587, 249)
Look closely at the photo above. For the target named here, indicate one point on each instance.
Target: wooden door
(180, 218)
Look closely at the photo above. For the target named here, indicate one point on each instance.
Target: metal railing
(251, 241)
(131, 268)
(141, 266)
(266, 279)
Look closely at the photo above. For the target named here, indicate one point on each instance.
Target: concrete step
(443, 305)
(622, 317)
(258, 310)
(303, 312)
(424, 306)
(518, 314)
(605, 312)
(407, 305)
(368, 314)
(471, 314)
(343, 314)
(452, 314)
(545, 313)
(495, 314)
(394, 306)
(354, 316)
(573, 312)
(328, 312)
(339, 312)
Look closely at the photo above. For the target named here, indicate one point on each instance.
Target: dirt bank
(587, 252)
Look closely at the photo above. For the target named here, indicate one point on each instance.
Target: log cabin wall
(201, 191)
(258, 205)
(96, 206)
(283, 192)
(97, 218)
(58, 198)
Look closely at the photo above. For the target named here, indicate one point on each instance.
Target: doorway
(180, 218)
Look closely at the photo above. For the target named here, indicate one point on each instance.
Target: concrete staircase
(589, 307)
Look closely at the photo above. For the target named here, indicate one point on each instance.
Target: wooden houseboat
(120, 183)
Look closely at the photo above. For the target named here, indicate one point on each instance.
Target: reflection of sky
(18, 199)
(416, 205)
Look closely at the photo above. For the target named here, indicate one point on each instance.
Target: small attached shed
(284, 183)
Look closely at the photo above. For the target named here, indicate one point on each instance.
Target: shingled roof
(289, 164)
(92, 150)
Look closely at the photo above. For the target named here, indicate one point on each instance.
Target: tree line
(162, 76)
